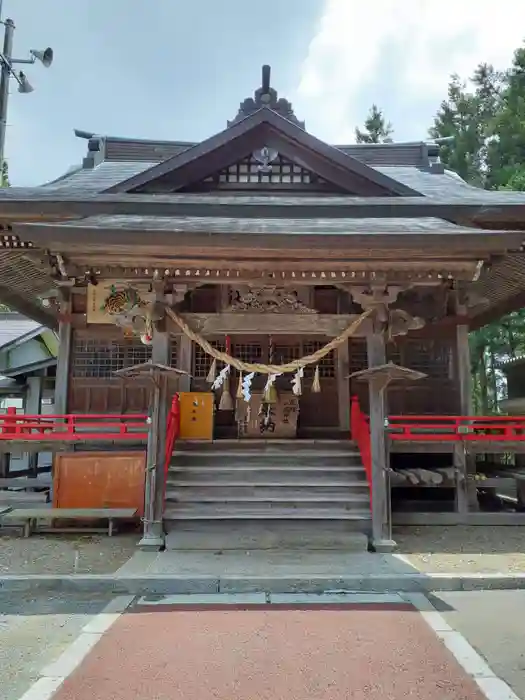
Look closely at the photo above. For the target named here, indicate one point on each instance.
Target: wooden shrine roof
(412, 204)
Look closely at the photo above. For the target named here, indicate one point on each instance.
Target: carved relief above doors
(267, 299)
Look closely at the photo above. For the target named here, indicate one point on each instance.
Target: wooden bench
(25, 483)
(30, 517)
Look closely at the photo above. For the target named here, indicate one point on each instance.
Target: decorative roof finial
(266, 96)
(265, 83)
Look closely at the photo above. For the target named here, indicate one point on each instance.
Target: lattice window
(282, 354)
(393, 354)
(174, 352)
(429, 356)
(98, 358)
(248, 171)
(202, 361)
(357, 355)
(248, 352)
(326, 365)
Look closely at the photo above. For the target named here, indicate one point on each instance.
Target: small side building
(28, 359)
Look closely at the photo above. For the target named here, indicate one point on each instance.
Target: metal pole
(5, 74)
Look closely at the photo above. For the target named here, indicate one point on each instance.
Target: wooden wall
(98, 351)
(438, 394)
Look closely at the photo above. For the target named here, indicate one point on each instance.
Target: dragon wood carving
(268, 299)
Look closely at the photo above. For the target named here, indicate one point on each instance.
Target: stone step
(274, 482)
(294, 464)
(280, 511)
(295, 497)
(257, 445)
(252, 535)
(292, 475)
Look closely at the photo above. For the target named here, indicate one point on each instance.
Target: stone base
(151, 543)
(384, 546)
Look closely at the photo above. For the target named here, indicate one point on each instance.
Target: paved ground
(269, 653)
(34, 631)
(164, 650)
(493, 622)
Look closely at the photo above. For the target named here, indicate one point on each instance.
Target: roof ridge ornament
(266, 96)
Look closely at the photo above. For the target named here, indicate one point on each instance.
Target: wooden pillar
(343, 388)
(33, 407)
(465, 464)
(160, 352)
(381, 536)
(64, 352)
(185, 361)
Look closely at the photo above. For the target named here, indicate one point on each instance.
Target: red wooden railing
(72, 427)
(172, 433)
(361, 435)
(457, 428)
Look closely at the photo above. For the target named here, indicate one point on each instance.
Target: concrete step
(278, 535)
(270, 511)
(258, 483)
(295, 500)
(266, 493)
(309, 476)
(301, 459)
(257, 445)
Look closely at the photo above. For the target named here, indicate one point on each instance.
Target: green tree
(484, 120)
(4, 175)
(467, 117)
(376, 128)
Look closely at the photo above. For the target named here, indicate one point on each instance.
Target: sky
(178, 69)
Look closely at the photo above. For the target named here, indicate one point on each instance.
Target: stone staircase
(267, 494)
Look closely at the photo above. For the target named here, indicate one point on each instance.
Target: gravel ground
(34, 631)
(429, 549)
(56, 554)
(463, 548)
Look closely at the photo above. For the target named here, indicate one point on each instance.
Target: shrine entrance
(309, 415)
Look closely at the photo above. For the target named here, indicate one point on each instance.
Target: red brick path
(270, 654)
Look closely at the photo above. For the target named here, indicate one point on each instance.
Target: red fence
(72, 427)
(172, 434)
(457, 428)
(361, 434)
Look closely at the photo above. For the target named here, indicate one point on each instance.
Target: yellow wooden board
(196, 415)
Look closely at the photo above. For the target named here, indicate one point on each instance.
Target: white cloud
(418, 43)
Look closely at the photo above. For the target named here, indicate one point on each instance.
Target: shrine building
(252, 251)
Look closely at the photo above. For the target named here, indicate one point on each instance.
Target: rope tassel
(238, 394)
(316, 384)
(297, 386)
(212, 374)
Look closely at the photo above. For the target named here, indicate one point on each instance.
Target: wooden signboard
(281, 422)
(97, 295)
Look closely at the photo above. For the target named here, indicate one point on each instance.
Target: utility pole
(7, 71)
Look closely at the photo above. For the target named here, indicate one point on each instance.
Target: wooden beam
(376, 352)
(39, 206)
(330, 325)
(64, 354)
(343, 387)
(285, 234)
(184, 361)
(466, 492)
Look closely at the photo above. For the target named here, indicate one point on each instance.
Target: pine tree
(376, 128)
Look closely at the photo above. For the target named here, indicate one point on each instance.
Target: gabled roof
(264, 128)
(14, 328)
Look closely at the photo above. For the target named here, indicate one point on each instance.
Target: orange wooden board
(99, 480)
